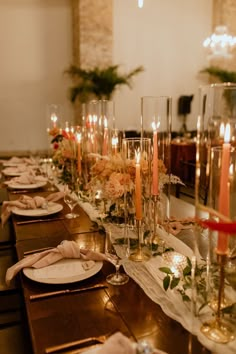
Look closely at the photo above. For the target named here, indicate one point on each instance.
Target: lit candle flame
(94, 118)
(227, 133)
(222, 130)
(54, 118)
(105, 122)
(114, 141)
(137, 156)
(78, 137)
(155, 125)
(67, 129)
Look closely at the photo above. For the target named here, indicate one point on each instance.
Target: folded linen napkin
(26, 178)
(21, 168)
(13, 160)
(27, 202)
(117, 344)
(120, 344)
(66, 249)
(19, 160)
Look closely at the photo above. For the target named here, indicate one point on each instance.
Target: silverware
(38, 220)
(37, 250)
(22, 191)
(66, 291)
(82, 342)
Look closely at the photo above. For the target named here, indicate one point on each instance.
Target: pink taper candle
(79, 153)
(155, 165)
(138, 194)
(223, 239)
(105, 138)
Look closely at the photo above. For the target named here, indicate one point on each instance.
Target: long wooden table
(70, 317)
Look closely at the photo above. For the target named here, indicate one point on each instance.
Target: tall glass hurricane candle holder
(91, 142)
(106, 124)
(156, 125)
(215, 198)
(54, 118)
(137, 160)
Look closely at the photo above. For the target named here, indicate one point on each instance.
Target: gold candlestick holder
(141, 253)
(155, 237)
(155, 217)
(218, 330)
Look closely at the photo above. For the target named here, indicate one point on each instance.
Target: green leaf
(189, 262)
(187, 270)
(186, 297)
(146, 234)
(229, 309)
(174, 282)
(221, 74)
(166, 282)
(166, 270)
(155, 254)
(169, 249)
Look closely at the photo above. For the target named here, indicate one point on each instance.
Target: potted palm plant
(99, 83)
(221, 74)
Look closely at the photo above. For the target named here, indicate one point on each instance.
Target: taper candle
(138, 194)
(105, 138)
(224, 194)
(114, 144)
(54, 119)
(155, 164)
(79, 153)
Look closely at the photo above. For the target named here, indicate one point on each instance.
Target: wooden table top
(70, 317)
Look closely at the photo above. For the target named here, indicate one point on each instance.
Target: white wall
(35, 37)
(35, 40)
(166, 38)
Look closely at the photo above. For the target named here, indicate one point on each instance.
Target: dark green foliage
(96, 82)
(221, 74)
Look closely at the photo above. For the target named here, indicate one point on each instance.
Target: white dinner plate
(11, 164)
(51, 209)
(63, 271)
(12, 173)
(27, 186)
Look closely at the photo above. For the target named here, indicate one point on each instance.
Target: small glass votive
(176, 262)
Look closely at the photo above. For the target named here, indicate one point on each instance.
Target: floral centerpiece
(114, 179)
(64, 154)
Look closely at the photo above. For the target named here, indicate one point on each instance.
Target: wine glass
(71, 198)
(115, 254)
(51, 172)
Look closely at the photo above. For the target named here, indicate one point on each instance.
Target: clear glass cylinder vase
(156, 125)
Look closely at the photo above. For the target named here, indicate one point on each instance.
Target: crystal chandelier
(140, 3)
(220, 43)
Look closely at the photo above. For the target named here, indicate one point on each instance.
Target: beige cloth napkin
(120, 344)
(117, 344)
(22, 168)
(67, 249)
(27, 202)
(13, 160)
(26, 178)
(18, 160)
